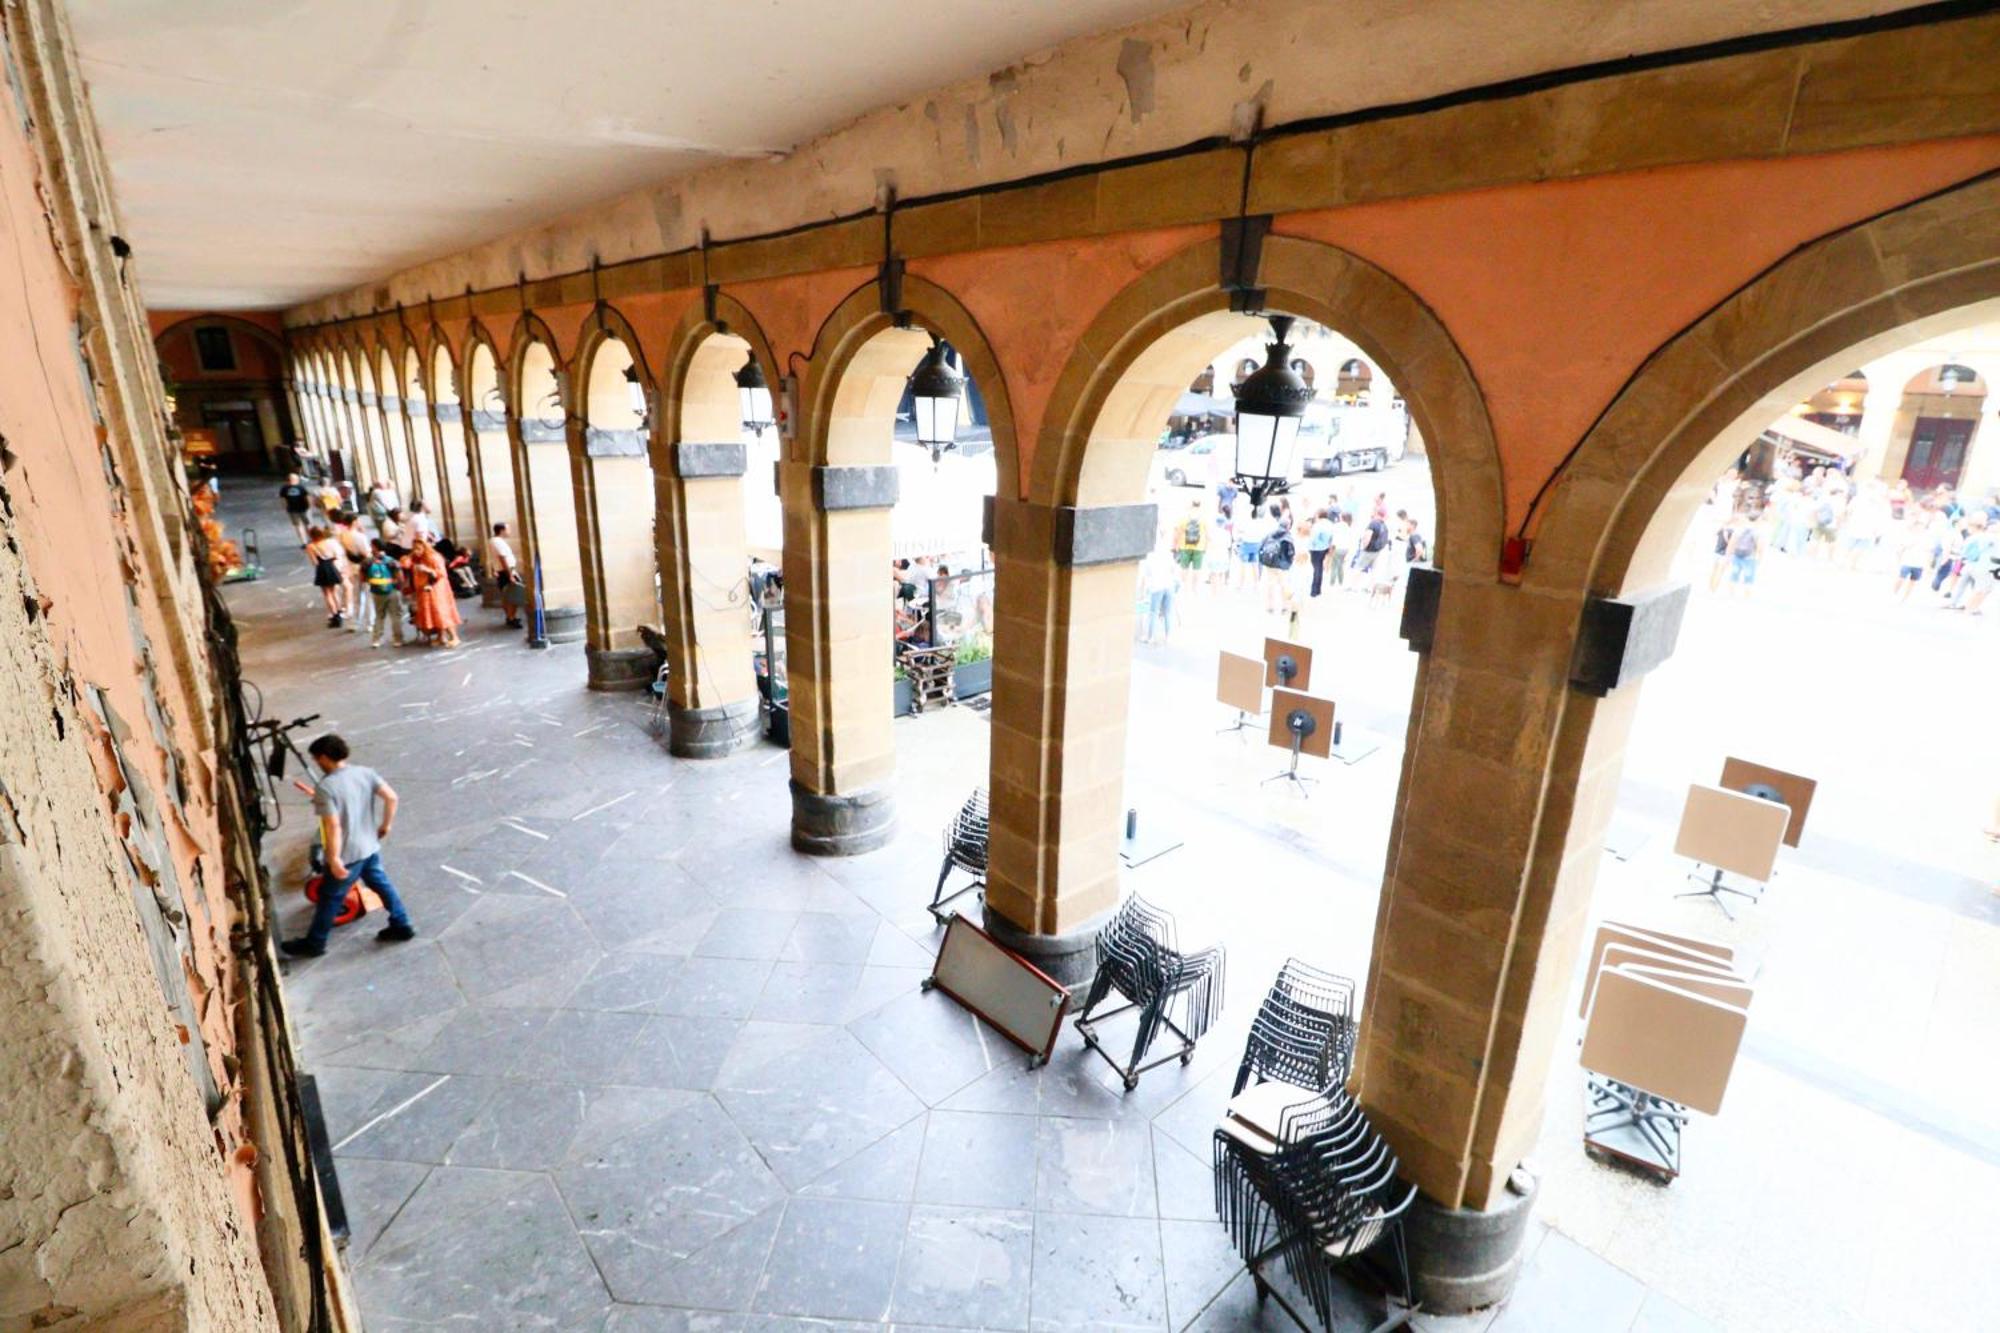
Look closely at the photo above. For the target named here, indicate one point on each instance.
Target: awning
(1202, 405)
(1809, 437)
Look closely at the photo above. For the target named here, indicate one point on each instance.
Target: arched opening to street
(423, 441)
(450, 431)
(622, 572)
(362, 429)
(485, 412)
(546, 482)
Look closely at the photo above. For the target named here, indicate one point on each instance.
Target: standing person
(327, 559)
(382, 500)
(1376, 540)
(1975, 578)
(1251, 530)
(351, 834)
(298, 507)
(1913, 554)
(1277, 551)
(383, 578)
(1190, 545)
(394, 530)
(505, 571)
(1416, 550)
(423, 522)
(1319, 541)
(1161, 577)
(1385, 566)
(1746, 544)
(431, 598)
(1343, 546)
(360, 609)
(1724, 535)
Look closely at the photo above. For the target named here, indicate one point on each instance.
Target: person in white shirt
(423, 522)
(505, 570)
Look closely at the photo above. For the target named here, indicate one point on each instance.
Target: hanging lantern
(753, 395)
(938, 391)
(1270, 403)
(635, 393)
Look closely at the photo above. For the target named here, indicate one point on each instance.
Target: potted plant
(973, 673)
(901, 698)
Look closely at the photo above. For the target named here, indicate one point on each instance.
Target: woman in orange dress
(431, 598)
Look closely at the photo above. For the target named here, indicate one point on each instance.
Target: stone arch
(703, 470)
(356, 399)
(547, 479)
(1633, 483)
(483, 405)
(1077, 463)
(860, 356)
(838, 493)
(615, 509)
(458, 485)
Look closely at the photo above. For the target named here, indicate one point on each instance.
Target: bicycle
(275, 738)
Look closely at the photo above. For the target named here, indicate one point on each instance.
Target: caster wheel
(1131, 1083)
(927, 985)
(1187, 1058)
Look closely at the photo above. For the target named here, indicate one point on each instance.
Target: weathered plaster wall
(127, 1194)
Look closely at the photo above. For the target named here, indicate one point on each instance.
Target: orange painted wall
(99, 609)
(1558, 292)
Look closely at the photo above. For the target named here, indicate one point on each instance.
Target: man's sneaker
(392, 934)
(301, 948)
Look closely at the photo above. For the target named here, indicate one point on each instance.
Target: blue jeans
(1743, 569)
(331, 895)
(1159, 612)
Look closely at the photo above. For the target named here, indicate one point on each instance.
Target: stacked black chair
(1316, 1190)
(1303, 1034)
(964, 849)
(1138, 955)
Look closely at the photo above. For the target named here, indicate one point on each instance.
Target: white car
(1341, 438)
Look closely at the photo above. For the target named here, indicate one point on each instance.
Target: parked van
(1337, 438)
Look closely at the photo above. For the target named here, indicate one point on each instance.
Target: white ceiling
(266, 152)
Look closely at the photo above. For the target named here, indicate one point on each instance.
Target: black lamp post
(753, 394)
(938, 391)
(1270, 403)
(635, 395)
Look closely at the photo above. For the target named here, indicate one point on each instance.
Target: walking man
(351, 834)
(298, 505)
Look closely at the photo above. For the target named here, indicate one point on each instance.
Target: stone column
(839, 642)
(704, 561)
(1511, 773)
(1062, 665)
(1878, 423)
(621, 588)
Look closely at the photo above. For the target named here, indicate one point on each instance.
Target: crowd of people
(933, 605)
(1282, 553)
(381, 567)
(1939, 543)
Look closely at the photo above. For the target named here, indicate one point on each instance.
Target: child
(382, 578)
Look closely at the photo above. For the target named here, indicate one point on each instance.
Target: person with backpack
(1276, 552)
(382, 577)
(1373, 542)
(1191, 545)
(1745, 545)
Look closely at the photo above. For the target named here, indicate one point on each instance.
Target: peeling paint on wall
(1135, 67)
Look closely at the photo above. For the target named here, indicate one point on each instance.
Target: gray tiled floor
(646, 1069)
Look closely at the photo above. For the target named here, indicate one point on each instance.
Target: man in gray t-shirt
(347, 801)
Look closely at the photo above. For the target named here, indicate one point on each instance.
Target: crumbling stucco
(120, 1205)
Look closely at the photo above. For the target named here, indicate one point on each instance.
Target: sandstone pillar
(839, 644)
(1509, 780)
(1064, 596)
(704, 560)
(621, 582)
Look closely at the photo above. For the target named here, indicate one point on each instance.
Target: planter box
(901, 706)
(970, 678)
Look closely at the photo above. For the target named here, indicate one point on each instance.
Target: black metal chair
(1318, 1194)
(1138, 956)
(1303, 1034)
(964, 849)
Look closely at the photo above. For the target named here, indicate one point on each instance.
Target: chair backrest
(1303, 1033)
(1137, 946)
(965, 836)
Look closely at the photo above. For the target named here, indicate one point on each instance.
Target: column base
(845, 825)
(710, 733)
(1464, 1259)
(1070, 957)
(619, 668)
(561, 624)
